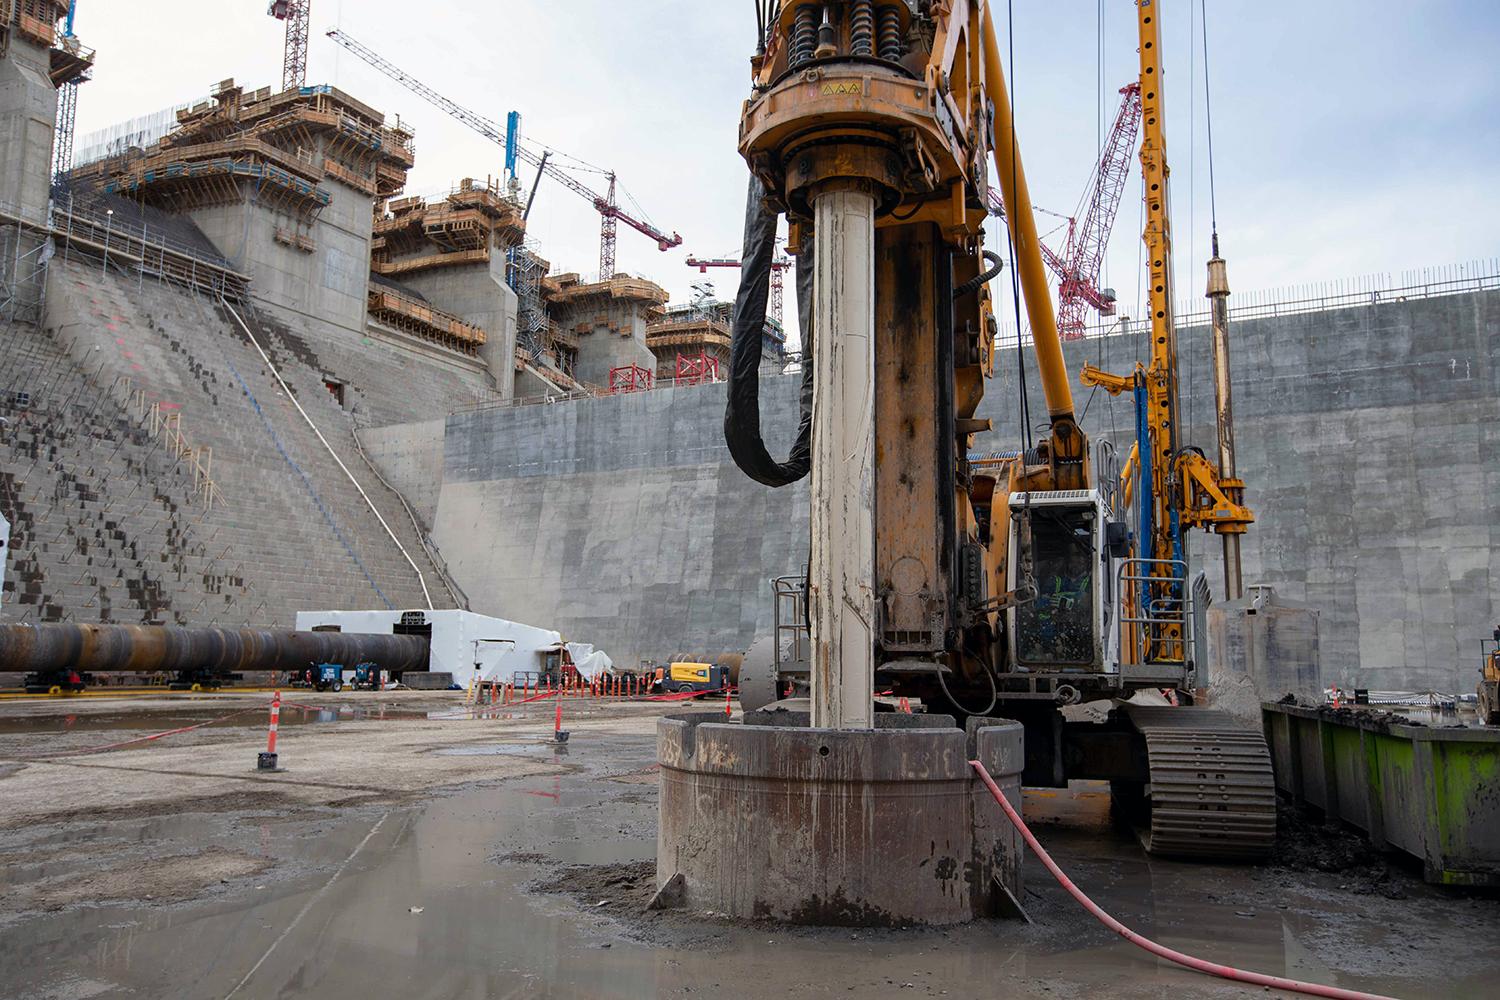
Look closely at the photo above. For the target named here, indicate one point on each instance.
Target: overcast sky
(1351, 136)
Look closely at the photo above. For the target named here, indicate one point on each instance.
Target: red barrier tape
(683, 695)
(1160, 951)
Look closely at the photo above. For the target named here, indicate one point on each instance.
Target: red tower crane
(778, 280)
(605, 204)
(1078, 266)
(297, 14)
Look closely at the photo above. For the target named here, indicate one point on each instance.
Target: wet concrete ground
(456, 857)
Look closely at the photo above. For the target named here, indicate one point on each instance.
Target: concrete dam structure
(1367, 439)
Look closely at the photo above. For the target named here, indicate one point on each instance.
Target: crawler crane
(1007, 589)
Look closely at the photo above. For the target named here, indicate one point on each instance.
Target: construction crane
(605, 204)
(1179, 489)
(1079, 265)
(779, 267)
(1005, 586)
(298, 15)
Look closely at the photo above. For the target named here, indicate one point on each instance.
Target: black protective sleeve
(742, 414)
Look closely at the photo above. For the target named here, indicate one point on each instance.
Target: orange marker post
(267, 760)
(728, 705)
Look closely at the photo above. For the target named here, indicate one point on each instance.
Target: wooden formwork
(421, 320)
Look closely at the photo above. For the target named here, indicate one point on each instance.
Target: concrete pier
(881, 828)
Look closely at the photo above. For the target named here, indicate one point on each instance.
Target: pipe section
(841, 585)
(149, 648)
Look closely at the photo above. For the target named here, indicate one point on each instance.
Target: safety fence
(525, 687)
(1368, 290)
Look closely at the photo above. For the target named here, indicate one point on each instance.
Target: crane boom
(778, 280)
(492, 130)
(1087, 242)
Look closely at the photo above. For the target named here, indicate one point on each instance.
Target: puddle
(501, 749)
(441, 900)
(156, 721)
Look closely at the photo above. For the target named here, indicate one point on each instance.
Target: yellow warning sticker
(844, 87)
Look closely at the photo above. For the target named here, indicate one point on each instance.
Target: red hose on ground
(1160, 951)
(147, 739)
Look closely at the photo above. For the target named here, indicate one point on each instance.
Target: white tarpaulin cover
(590, 662)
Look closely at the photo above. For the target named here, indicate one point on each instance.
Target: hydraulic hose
(742, 412)
(997, 264)
(1160, 951)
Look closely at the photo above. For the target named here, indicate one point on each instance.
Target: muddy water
(438, 900)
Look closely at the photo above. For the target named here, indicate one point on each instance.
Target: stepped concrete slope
(104, 522)
(291, 526)
(1369, 436)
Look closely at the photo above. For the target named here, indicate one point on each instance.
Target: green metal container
(1433, 793)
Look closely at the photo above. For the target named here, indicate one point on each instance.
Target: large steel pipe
(68, 646)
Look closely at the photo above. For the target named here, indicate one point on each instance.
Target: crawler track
(1212, 794)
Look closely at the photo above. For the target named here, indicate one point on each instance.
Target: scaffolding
(278, 148)
(417, 318)
(631, 378)
(464, 227)
(534, 335)
(81, 230)
(701, 329)
(695, 369)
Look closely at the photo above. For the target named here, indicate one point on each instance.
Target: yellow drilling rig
(1011, 589)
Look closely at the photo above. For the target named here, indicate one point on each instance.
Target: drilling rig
(1008, 589)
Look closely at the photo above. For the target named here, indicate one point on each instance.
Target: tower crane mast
(605, 204)
(298, 15)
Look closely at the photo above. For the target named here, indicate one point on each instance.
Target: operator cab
(1064, 547)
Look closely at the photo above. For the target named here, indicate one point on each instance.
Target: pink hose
(1160, 951)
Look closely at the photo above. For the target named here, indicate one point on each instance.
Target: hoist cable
(1208, 115)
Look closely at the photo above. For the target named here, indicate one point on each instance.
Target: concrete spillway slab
(886, 827)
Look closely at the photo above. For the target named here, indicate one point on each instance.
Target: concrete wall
(330, 283)
(1369, 437)
(28, 113)
(611, 334)
(290, 531)
(478, 294)
(618, 520)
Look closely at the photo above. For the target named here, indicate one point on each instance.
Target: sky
(1350, 137)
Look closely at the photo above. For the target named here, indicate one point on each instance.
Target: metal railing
(166, 426)
(1370, 290)
(1161, 603)
(594, 392)
(791, 621)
